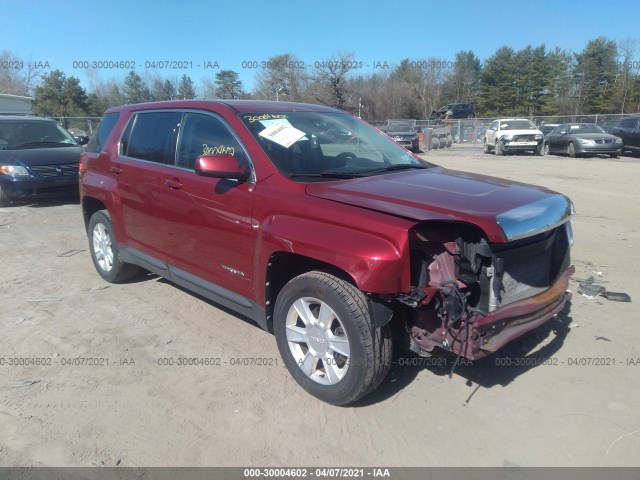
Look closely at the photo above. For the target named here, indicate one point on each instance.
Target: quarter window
(102, 133)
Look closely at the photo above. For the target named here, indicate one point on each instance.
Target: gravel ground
(579, 407)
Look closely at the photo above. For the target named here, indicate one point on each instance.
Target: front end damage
(470, 297)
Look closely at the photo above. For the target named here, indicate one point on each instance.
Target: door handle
(175, 184)
(115, 169)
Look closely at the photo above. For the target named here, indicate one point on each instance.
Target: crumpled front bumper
(490, 332)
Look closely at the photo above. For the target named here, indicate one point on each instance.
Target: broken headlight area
(470, 297)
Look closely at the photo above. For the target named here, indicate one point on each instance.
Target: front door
(209, 220)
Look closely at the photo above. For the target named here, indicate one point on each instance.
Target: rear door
(209, 232)
(147, 148)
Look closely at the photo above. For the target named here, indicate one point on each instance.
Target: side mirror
(221, 166)
(83, 140)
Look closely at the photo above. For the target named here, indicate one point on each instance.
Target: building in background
(15, 104)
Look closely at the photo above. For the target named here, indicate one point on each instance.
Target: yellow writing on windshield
(266, 116)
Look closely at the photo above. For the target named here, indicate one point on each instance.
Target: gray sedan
(575, 139)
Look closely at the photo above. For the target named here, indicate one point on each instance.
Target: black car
(628, 129)
(79, 136)
(37, 158)
(575, 139)
(405, 134)
(454, 110)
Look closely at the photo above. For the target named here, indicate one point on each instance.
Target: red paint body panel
(372, 248)
(435, 194)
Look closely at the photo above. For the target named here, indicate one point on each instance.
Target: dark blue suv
(37, 158)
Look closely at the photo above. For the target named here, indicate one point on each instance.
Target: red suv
(336, 247)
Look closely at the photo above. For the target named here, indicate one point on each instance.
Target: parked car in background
(512, 135)
(628, 129)
(79, 136)
(454, 110)
(547, 127)
(405, 134)
(576, 139)
(37, 158)
(339, 249)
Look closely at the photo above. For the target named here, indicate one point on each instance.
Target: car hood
(41, 156)
(594, 136)
(504, 210)
(519, 132)
(391, 133)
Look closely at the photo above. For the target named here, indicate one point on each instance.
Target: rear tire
(105, 252)
(325, 336)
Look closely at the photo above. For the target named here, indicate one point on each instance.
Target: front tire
(571, 150)
(5, 200)
(487, 148)
(105, 252)
(499, 150)
(325, 336)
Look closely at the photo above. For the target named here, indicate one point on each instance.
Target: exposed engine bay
(470, 297)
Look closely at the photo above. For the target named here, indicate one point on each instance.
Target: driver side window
(205, 135)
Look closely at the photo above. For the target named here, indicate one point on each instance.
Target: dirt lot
(580, 407)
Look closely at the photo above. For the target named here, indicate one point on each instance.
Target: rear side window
(629, 123)
(98, 140)
(151, 136)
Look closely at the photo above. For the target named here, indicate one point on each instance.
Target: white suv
(513, 135)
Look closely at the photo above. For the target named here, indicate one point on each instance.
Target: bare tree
(19, 77)
(284, 78)
(625, 77)
(330, 84)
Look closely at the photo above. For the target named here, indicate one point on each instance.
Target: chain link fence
(466, 130)
(472, 130)
(86, 124)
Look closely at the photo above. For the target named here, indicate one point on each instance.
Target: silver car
(575, 139)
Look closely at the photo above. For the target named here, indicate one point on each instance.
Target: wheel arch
(284, 266)
(91, 205)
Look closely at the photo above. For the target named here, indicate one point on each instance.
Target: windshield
(518, 125)
(311, 145)
(585, 128)
(400, 127)
(33, 134)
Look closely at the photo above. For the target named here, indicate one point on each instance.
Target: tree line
(603, 78)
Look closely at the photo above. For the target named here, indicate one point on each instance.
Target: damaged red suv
(341, 249)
